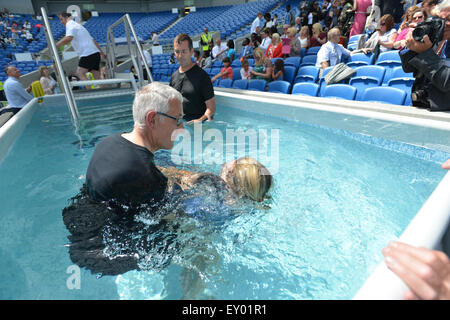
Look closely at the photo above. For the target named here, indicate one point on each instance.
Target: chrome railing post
(67, 90)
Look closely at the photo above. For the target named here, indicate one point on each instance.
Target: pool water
(336, 202)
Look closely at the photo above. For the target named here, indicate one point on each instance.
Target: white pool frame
(431, 130)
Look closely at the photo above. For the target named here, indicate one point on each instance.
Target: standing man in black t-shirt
(193, 82)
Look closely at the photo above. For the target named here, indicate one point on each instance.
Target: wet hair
(184, 37)
(251, 179)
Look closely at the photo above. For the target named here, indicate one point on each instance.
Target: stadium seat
(251, 62)
(404, 84)
(375, 72)
(289, 74)
(340, 91)
(312, 51)
(257, 84)
(293, 61)
(237, 74)
(236, 63)
(240, 84)
(385, 95)
(391, 55)
(361, 84)
(225, 83)
(309, 60)
(399, 73)
(306, 88)
(279, 86)
(389, 60)
(354, 38)
(360, 59)
(307, 74)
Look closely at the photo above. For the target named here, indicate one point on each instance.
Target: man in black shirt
(121, 179)
(122, 166)
(193, 82)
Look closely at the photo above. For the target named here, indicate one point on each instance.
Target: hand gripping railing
(59, 69)
(135, 51)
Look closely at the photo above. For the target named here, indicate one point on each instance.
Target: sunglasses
(382, 24)
(178, 120)
(419, 17)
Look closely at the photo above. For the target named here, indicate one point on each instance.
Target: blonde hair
(317, 28)
(276, 38)
(258, 53)
(292, 31)
(251, 179)
(304, 28)
(41, 70)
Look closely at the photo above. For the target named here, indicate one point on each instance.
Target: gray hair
(153, 97)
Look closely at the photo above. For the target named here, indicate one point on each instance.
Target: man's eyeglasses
(178, 120)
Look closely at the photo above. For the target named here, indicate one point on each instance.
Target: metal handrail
(67, 90)
(110, 50)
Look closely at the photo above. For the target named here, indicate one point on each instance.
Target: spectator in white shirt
(219, 50)
(266, 40)
(256, 25)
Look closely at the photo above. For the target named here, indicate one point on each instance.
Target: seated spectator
(226, 72)
(231, 53)
(274, 49)
(330, 54)
(245, 70)
(304, 37)
(285, 34)
(247, 50)
(412, 18)
(295, 44)
(386, 33)
(47, 82)
(263, 66)
(429, 5)
(267, 22)
(265, 39)
(16, 94)
(278, 70)
(219, 50)
(314, 14)
(318, 37)
(255, 40)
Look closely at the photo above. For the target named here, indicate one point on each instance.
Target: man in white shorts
(87, 48)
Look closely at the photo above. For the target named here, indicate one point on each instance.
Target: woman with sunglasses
(413, 16)
(386, 33)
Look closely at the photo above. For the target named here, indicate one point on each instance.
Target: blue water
(336, 202)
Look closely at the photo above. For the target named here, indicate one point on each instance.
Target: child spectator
(226, 72)
(245, 70)
(278, 70)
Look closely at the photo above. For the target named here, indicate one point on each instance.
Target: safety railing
(135, 50)
(59, 69)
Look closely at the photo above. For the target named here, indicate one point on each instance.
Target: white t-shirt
(82, 41)
(216, 50)
(147, 57)
(256, 23)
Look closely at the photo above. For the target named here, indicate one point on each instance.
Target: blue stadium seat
(389, 60)
(279, 86)
(385, 95)
(251, 62)
(257, 84)
(217, 64)
(289, 74)
(306, 88)
(404, 84)
(302, 52)
(361, 84)
(237, 74)
(375, 72)
(354, 38)
(225, 83)
(399, 73)
(309, 60)
(340, 91)
(308, 74)
(236, 63)
(293, 61)
(312, 51)
(240, 84)
(360, 59)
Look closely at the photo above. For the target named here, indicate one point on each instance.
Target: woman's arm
(389, 44)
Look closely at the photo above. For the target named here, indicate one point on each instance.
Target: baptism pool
(340, 195)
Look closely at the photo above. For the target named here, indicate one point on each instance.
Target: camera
(433, 27)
